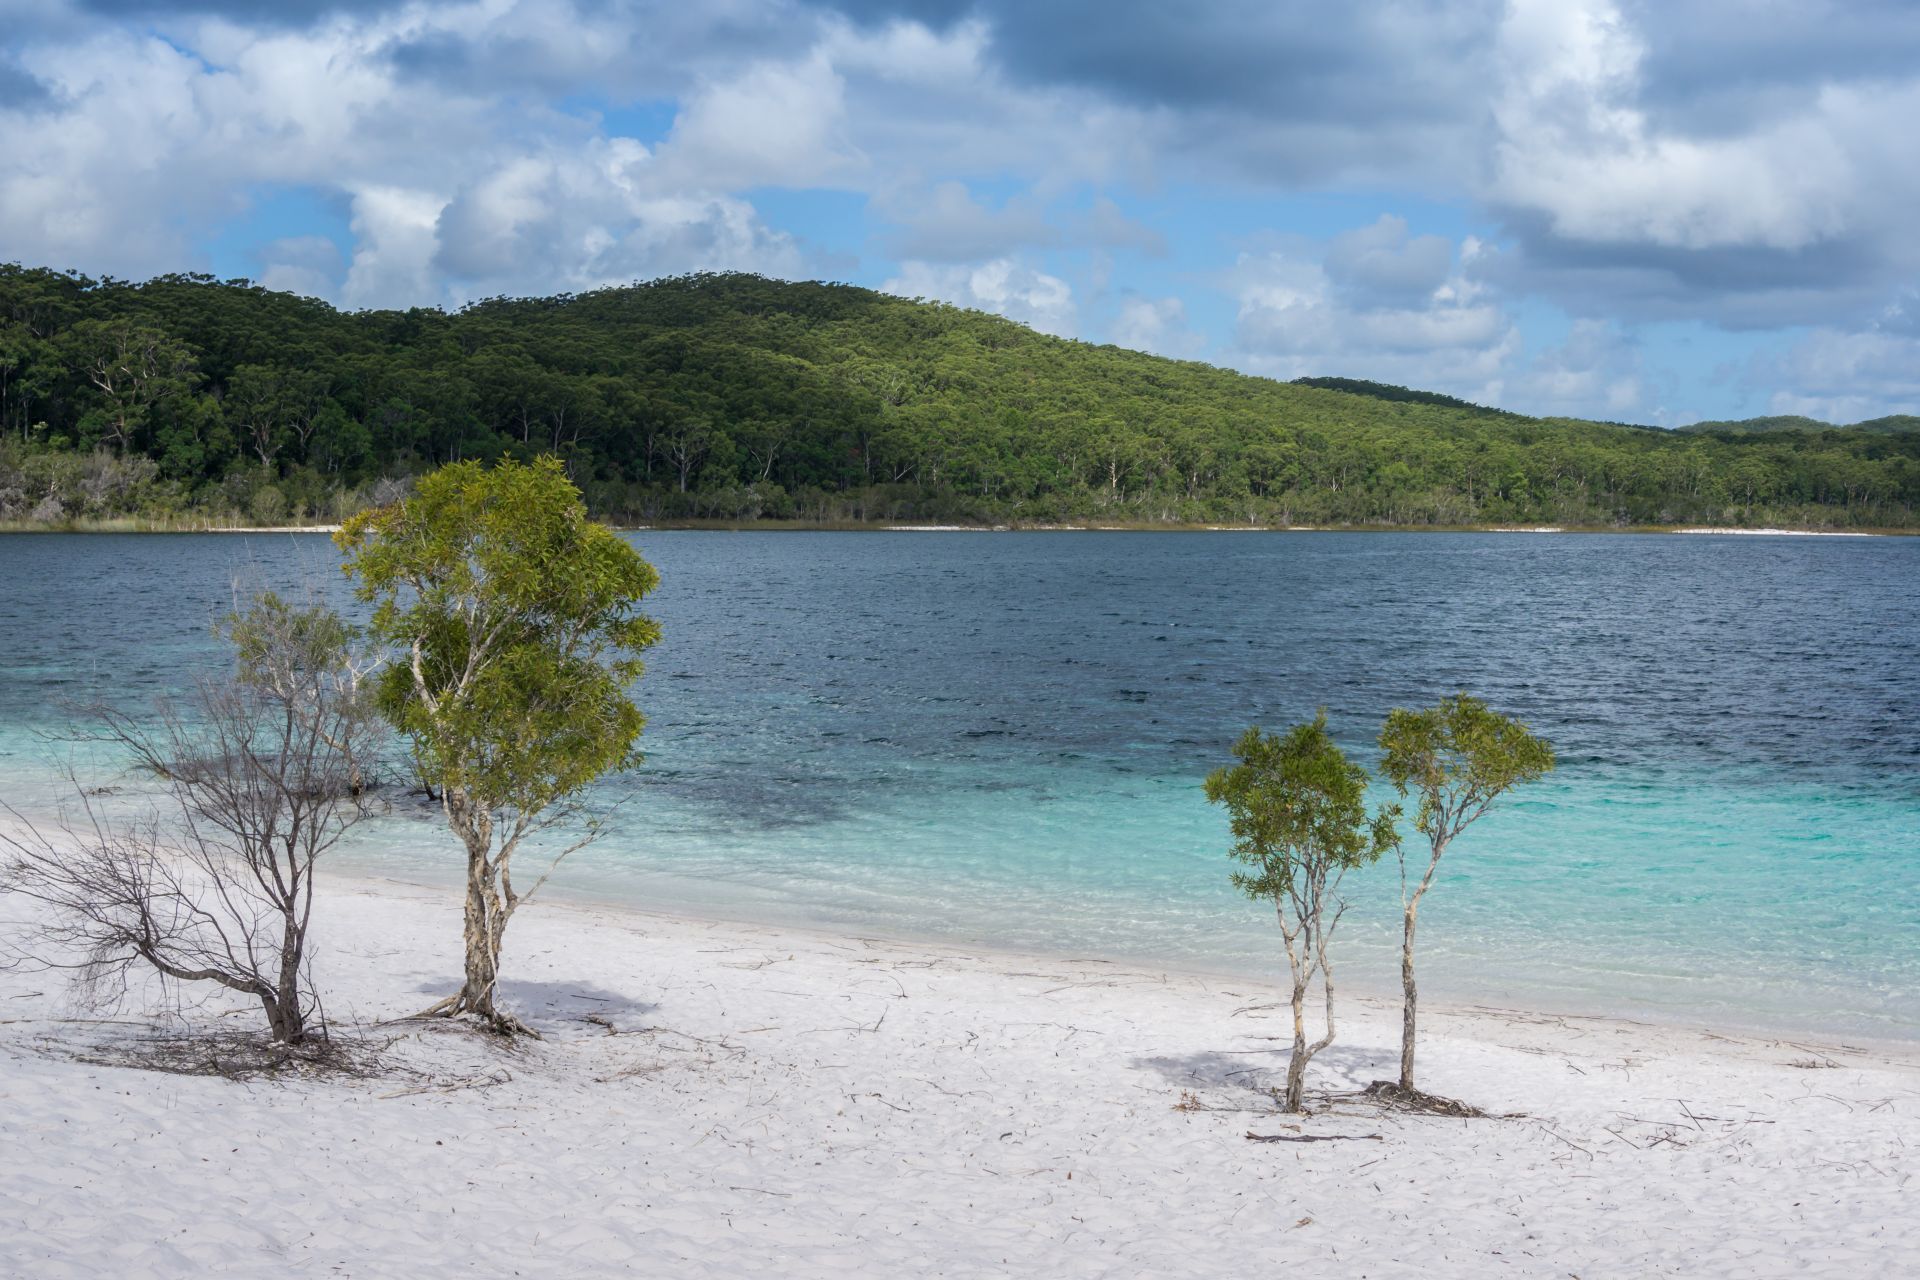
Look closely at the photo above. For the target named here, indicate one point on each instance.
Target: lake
(1000, 739)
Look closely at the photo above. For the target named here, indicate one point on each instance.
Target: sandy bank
(270, 528)
(718, 1100)
(1782, 533)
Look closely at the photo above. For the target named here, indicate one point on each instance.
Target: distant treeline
(734, 397)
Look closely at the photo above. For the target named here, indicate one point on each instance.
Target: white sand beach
(270, 528)
(723, 1100)
(1783, 533)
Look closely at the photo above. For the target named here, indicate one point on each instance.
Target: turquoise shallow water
(999, 739)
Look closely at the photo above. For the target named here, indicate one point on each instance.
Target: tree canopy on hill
(735, 397)
(1795, 422)
(1387, 391)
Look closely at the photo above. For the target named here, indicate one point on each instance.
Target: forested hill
(733, 397)
(1899, 422)
(1387, 391)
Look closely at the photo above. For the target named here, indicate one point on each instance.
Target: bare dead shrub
(262, 775)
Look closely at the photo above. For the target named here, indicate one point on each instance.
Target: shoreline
(557, 897)
(1502, 991)
(717, 1100)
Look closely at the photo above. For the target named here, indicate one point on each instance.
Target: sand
(720, 1099)
(1781, 533)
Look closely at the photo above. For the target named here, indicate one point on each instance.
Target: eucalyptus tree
(1297, 809)
(1456, 757)
(516, 631)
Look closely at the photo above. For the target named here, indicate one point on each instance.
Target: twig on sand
(853, 1026)
(1256, 1008)
(1569, 1141)
(1314, 1137)
(601, 1020)
(487, 1081)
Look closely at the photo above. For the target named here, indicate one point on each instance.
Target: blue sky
(1610, 208)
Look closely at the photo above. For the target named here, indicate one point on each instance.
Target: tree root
(1400, 1098)
(501, 1024)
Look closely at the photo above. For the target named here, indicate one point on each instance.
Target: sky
(1617, 209)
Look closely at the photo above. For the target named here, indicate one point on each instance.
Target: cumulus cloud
(1597, 372)
(1384, 262)
(1639, 182)
(307, 265)
(773, 124)
(153, 140)
(1378, 303)
(1373, 303)
(538, 224)
(1841, 376)
(1002, 286)
(1575, 144)
(948, 225)
(1158, 325)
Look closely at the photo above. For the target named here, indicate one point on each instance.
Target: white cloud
(773, 124)
(1845, 377)
(1003, 286)
(580, 220)
(394, 245)
(1594, 373)
(1575, 144)
(913, 54)
(1296, 318)
(1158, 325)
(947, 224)
(1382, 260)
(153, 142)
(306, 265)
(1375, 303)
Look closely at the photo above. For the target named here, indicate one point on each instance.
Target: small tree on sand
(216, 885)
(515, 623)
(1299, 820)
(1458, 757)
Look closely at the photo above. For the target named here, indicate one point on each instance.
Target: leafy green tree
(131, 366)
(516, 627)
(1457, 757)
(1297, 809)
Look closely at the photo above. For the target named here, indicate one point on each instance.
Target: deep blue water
(1001, 737)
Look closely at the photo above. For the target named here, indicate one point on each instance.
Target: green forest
(188, 401)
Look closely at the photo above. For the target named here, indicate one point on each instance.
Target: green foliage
(516, 623)
(1897, 422)
(1388, 391)
(277, 643)
(1297, 808)
(733, 397)
(1458, 757)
